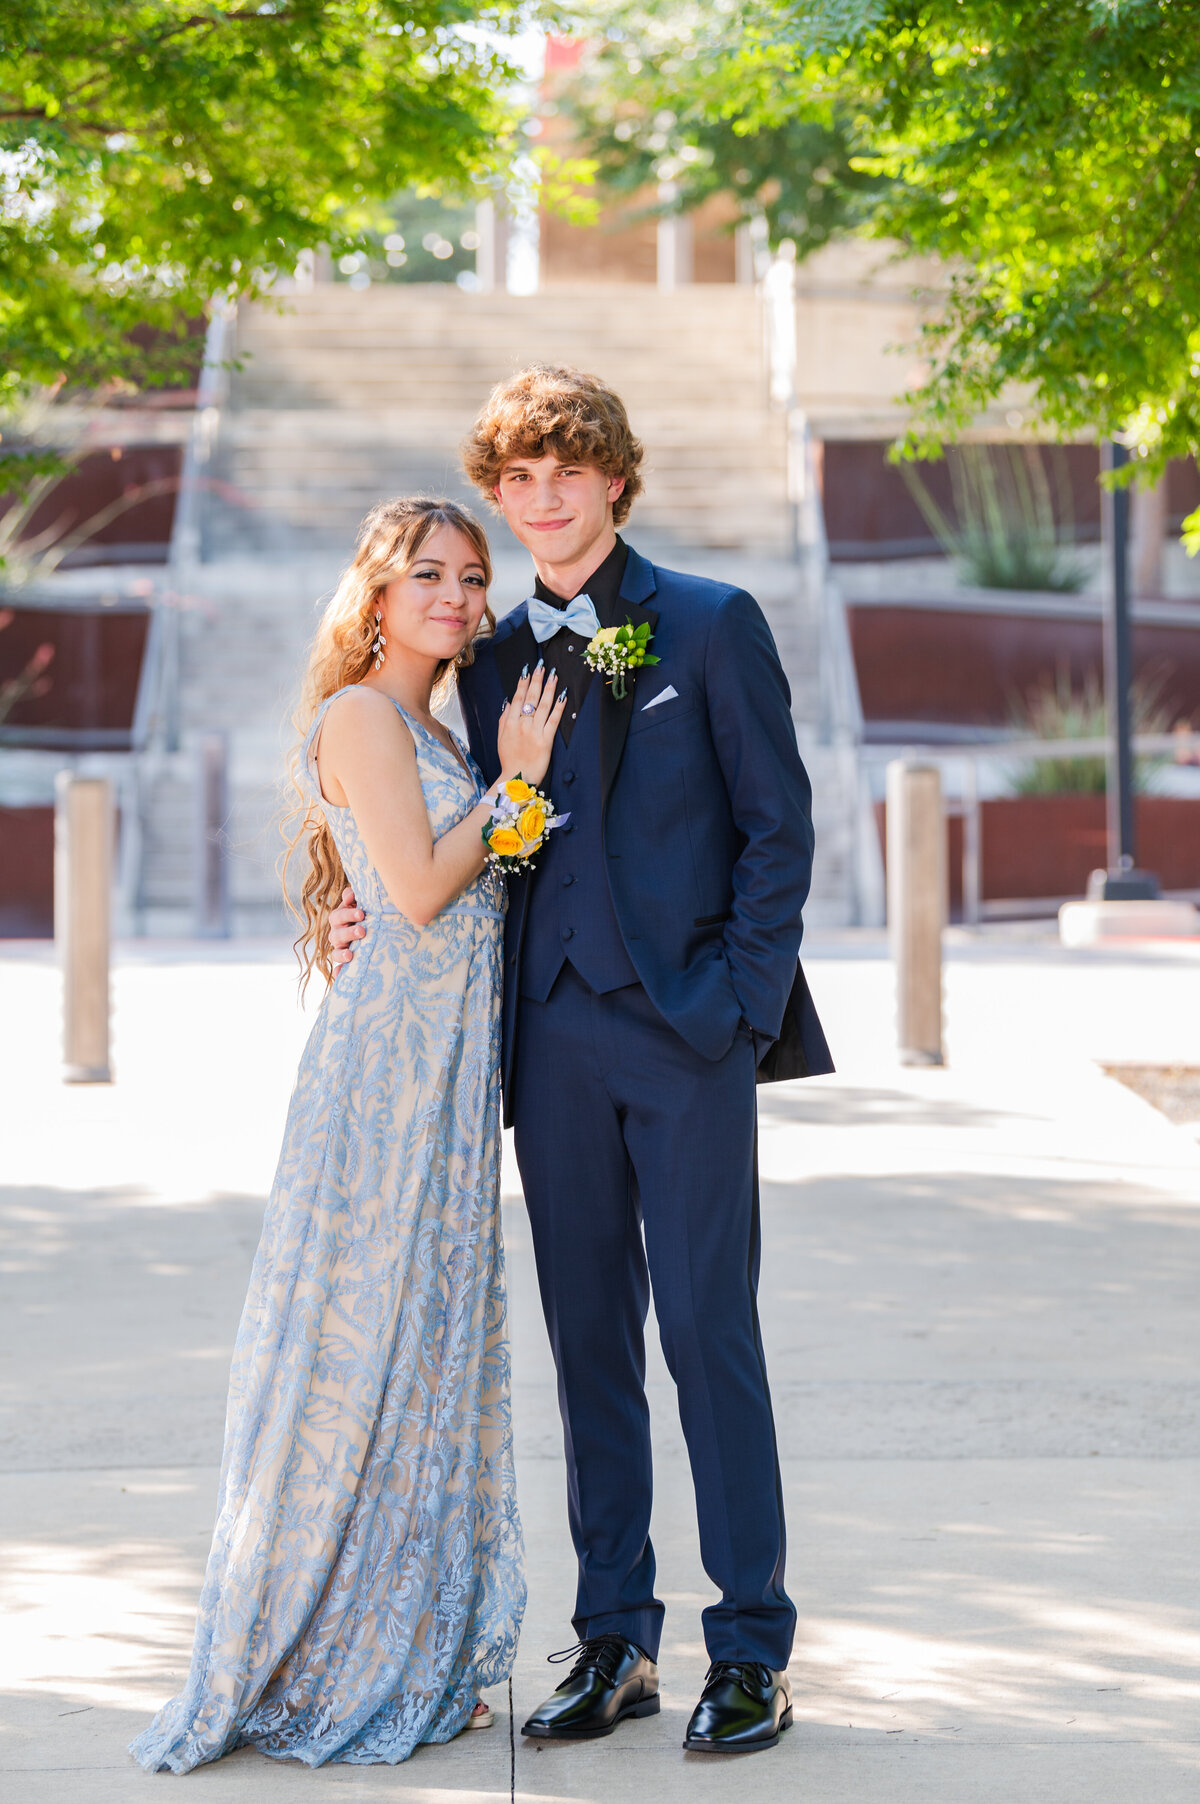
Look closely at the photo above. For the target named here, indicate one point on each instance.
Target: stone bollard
(916, 906)
(83, 834)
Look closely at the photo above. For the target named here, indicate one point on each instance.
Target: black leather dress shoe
(744, 1707)
(611, 1679)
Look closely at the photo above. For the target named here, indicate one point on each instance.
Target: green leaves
(1046, 151)
(634, 641)
(156, 152)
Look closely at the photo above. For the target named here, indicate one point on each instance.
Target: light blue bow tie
(579, 615)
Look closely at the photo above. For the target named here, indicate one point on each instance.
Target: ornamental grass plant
(1013, 524)
(1055, 709)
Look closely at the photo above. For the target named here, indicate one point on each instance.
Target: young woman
(365, 1580)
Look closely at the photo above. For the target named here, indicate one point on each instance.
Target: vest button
(568, 776)
(567, 882)
(568, 933)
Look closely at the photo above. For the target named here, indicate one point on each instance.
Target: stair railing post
(916, 898)
(83, 836)
(972, 846)
(212, 838)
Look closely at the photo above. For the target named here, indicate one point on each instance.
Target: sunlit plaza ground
(979, 1300)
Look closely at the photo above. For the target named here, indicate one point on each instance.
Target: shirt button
(570, 648)
(574, 716)
(568, 932)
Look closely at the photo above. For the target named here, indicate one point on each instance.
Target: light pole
(1122, 881)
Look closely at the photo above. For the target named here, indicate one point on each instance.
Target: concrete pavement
(979, 1306)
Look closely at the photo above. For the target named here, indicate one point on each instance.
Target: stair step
(344, 398)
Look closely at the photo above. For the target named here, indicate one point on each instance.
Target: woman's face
(435, 608)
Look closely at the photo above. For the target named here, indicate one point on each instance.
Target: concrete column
(491, 256)
(212, 838)
(1148, 511)
(674, 244)
(744, 266)
(83, 835)
(916, 898)
(779, 297)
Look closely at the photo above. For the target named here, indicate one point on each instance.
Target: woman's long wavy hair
(389, 542)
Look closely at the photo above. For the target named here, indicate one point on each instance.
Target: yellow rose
(532, 822)
(518, 790)
(506, 841)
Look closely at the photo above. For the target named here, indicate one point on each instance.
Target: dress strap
(323, 709)
(306, 763)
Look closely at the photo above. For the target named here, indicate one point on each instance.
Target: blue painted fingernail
(525, 672)
(553, 670)
(540, 662)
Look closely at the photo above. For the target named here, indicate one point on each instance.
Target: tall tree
(156, 152)
(1047, 150)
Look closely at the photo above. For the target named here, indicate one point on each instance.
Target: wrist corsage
(520, 820)
(617, 649)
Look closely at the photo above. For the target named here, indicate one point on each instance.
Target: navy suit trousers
(637, 1157)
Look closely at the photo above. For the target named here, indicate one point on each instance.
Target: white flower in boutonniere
(617, 649)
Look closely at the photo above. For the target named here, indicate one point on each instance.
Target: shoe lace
(599, 1653)
(757, 1670)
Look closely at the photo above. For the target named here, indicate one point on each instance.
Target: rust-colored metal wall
(141, 531)
(870, 511)
(88, 686)
(1043, 847)
(973, 668)
(26, 873)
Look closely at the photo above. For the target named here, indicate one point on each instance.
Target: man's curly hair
(551, 408)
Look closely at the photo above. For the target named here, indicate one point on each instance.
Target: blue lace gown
(366, 1577)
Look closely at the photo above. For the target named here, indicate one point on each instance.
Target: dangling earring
(380, 642)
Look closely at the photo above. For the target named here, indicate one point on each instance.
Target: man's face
(558, 510)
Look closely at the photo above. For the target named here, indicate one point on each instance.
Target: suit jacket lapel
(512, 653)
(637, 584)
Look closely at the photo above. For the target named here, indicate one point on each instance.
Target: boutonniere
(617, 649)
(520, 820)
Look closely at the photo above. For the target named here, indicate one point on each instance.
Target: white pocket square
(664, 695)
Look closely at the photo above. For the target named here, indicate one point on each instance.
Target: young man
(650, 968)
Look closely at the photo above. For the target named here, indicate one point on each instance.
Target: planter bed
(1039, 847)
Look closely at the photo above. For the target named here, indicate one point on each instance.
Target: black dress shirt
(564, 652)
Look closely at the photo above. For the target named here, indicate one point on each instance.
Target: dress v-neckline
(451, 751)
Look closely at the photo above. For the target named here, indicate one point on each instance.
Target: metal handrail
(969, 808)
(1002, 751)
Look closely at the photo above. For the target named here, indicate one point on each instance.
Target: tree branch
(1122, 267)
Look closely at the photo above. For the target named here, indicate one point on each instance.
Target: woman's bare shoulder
(366, 732)
(360, 709)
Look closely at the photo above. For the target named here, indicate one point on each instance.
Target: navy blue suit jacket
(706, 818)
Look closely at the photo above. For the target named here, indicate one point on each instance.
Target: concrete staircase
(341, 398)
(346, 398)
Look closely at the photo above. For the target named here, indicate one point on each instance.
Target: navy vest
(569, 914)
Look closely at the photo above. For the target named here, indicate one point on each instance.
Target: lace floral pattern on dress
(366, 1575)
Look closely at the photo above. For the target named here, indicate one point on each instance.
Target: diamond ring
(528, 708)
